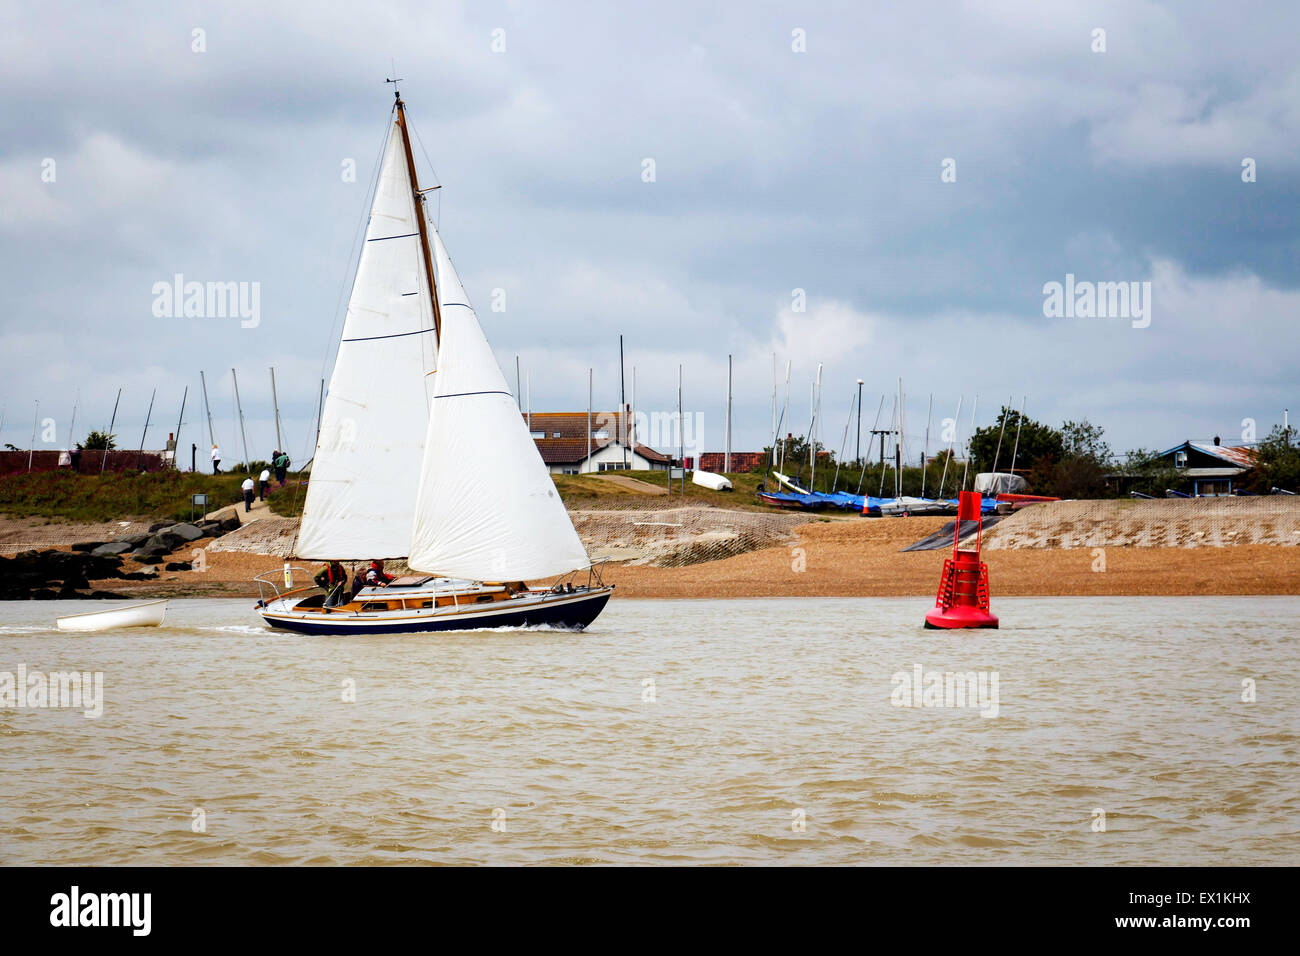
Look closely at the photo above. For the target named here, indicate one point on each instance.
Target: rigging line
(863, 475)
(892, 416)
(355, 259)
(436, 178)
(844, 441)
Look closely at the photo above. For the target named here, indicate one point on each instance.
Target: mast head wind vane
(396, 94)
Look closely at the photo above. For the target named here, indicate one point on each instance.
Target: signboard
(199, 501)
(675, 474)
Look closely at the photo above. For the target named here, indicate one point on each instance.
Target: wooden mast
(419, 215)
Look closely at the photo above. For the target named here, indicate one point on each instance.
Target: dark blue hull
(569, 615)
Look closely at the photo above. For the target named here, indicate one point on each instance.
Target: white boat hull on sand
(149, 614)
(708, 479)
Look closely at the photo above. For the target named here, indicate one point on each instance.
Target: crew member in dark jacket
(333, 579)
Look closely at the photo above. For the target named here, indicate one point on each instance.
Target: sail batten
(366, 467)
(487, 508)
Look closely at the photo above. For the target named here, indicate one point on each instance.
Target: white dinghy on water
(148, 614)
(423, 455)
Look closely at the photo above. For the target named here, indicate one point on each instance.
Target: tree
(1077, 476)
(1084, 440)
(796, 460)
(795, 449)
(1038, 443)
(98, 441)
(1150, 474)
(1277, 463)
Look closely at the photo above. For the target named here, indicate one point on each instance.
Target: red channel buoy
(963, 599)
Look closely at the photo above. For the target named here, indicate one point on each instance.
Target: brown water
(763, 710)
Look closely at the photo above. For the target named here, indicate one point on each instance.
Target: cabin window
(540, 434)
(426, 604)
(375, 606)
(601, 435)
(555, 434)
(483, 599)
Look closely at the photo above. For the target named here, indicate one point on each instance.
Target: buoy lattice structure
(963, 598)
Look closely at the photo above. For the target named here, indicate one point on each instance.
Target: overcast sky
(774, 170)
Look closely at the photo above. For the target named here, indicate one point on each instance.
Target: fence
(86, 462)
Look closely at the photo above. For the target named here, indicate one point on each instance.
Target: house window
(613, 466)
(1180, 459)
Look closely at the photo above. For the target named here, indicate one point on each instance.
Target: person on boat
(247, 488)
(375, 576)
(333, 580)
(263, 480)
(216, 460)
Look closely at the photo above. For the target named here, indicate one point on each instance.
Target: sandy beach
(1066, 549)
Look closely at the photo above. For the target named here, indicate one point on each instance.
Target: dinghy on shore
(707, 479)
(148, 614)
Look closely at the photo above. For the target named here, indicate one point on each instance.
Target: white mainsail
(487, 509)
(367, 465)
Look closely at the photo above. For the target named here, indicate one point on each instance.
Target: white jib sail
(366, 470)
(487, 508)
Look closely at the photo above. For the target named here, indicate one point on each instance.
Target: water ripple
(689, 732)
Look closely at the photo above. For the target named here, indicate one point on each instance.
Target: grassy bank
(288, 501)
(165, 496)
(589, 491)
(158, 496)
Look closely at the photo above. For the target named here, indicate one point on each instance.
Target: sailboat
(424, 456)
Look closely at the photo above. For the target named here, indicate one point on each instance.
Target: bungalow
(1214, 470)
(561, 439)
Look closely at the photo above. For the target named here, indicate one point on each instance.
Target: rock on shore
(52, 574)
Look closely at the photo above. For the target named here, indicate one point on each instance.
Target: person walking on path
(281, 465)
(247, 487)
(216, 460)
(262, 481)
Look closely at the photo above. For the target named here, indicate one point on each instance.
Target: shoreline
(862, 559)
